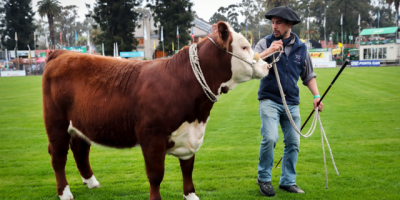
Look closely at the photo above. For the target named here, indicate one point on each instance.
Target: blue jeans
(271, 113)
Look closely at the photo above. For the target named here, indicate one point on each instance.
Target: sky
(204, 8)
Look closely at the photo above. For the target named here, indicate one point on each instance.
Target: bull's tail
(74, 131)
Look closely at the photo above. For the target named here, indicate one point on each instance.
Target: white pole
(102, 48)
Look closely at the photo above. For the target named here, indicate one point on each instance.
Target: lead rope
(313, 124)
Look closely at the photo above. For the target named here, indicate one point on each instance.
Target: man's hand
(275, 46)
(321, 105)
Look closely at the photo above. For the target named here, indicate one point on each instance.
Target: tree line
(114, 21)
(253, 12)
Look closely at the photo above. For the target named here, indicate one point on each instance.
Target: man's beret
(283, 12)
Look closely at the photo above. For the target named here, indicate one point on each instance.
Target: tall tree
(171, 14)
(276, 3)
(386, 14)
(396, 4)
(18, 18)
(253, 12)
(117, 20)
(231, 15)
(49, 8)
(66, 23)
(216, 17)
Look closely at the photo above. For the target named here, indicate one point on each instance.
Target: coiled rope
(194, 61)
(316, 119)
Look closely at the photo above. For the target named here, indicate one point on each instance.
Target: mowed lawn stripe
(360, 118)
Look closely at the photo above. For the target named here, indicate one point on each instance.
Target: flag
(29, 51)
(308, 23)
(395, 16)
(259, 27)
(379, 15)
(88, 39)
(177, 32)
(359, 19)
(251, 41)
(6, 58)
(337, 37)
(154, 44)
(246, 28)
(172, 46)
(341, 19)
(47, 51)
(162, 35)
(144, 33)
(60, 37)
(76, 37)
(192, 33)
(340, 45)
(47, 42)
(16, 36)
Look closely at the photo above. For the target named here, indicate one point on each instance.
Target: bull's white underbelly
(188, 139)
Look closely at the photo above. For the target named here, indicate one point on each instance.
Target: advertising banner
(365, 63)
(387, 41)
(13, 73)
(131, 54)
(317, 55)
(81, 49)
(318, 50)
(328, 64)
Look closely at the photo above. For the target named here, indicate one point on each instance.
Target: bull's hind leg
(58, 149)
(154, 149)
(80, 148)
(188, 187)
(56, 128)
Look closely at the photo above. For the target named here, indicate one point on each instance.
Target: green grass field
(360, 118)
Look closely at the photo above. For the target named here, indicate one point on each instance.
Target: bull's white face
(242, 71)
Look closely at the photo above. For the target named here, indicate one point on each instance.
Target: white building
(150, 39)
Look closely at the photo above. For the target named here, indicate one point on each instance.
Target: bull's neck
(215, 65)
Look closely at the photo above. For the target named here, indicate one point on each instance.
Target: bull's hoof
(91, 182)
(67, 195)
(191, 196)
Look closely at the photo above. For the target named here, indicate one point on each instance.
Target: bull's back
(93, 92)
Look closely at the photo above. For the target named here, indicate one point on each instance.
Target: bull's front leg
(188, 187)
(154, 150)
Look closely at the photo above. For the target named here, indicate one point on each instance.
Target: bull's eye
(244, 47)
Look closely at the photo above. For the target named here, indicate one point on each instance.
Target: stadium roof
(376, 31)
(201, 24)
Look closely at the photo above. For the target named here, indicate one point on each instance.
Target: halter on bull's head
(246, 64)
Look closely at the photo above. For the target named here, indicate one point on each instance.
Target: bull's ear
(223, 31)
(223, 35)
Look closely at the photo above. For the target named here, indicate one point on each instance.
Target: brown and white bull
(158, 105)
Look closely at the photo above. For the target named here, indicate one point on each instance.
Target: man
(294, 62)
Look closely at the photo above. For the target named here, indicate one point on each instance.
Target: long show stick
(327, 90)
